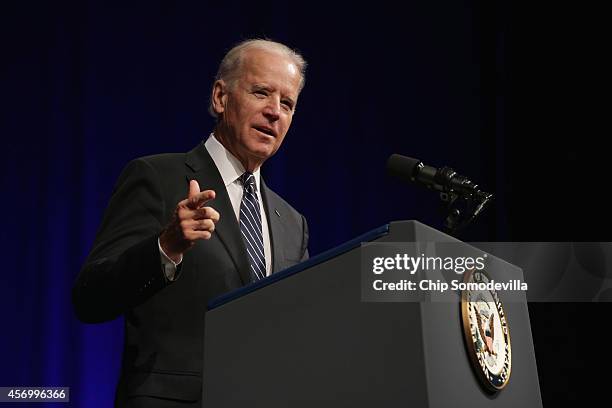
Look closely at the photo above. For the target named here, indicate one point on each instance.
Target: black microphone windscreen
(402, 166)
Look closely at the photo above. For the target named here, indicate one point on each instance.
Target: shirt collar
(228, 165)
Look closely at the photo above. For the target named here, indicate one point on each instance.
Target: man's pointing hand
(192, 221)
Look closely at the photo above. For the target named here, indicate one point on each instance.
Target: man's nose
(272, 110)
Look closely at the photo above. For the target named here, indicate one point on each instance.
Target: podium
(303, 337)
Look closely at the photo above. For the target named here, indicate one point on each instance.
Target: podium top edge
(322, 257)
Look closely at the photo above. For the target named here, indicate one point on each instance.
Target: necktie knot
(248, 181)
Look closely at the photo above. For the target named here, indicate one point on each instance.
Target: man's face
(256, 110)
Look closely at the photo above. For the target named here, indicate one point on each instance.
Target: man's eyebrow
(261, 87)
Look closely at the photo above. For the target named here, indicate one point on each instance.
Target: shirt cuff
(169, 267)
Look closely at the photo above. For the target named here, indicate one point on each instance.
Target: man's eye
(287, 105)
(261, 93)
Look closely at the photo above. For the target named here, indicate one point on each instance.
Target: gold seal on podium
(486, 331)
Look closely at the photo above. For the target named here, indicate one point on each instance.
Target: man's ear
(219, 96)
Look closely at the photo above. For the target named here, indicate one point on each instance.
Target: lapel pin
(276, 211)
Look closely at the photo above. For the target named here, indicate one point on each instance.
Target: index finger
(200, 199)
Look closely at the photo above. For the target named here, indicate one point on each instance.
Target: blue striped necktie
(250, 227)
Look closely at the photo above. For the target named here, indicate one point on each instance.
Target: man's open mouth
(265, 130)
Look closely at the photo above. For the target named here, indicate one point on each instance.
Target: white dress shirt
(230, 169)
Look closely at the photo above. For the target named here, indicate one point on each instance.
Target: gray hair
(231, 65)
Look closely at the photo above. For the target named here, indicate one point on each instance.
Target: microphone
(445, 179)
(462, 199)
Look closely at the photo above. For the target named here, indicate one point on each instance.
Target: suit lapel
(227, 229)
(275, 226)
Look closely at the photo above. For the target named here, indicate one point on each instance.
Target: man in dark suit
(181, 229)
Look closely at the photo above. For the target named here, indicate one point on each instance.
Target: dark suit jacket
(164, 321)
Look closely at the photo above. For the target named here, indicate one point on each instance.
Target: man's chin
(262, 150)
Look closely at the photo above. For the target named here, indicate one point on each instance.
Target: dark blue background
(494, 90)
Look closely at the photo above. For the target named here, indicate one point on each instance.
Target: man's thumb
(194, 188)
